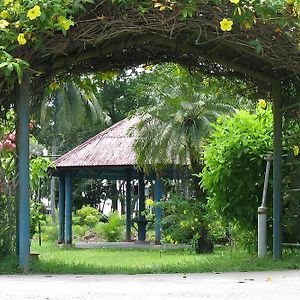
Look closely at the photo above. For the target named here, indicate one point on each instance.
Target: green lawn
(58, 260)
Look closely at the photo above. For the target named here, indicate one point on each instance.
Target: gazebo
(107, 155)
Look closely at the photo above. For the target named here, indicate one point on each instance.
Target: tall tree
(68, 111)
(172, 131)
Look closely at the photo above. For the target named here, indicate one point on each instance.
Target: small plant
(36, 216)
(183, 222)
(49, 232)
(113, 230)
(87, 215)
(79, 231)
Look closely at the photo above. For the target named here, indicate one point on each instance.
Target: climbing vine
(23, 22)
(26, 26)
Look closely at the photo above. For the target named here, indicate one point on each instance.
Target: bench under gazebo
(108, 155)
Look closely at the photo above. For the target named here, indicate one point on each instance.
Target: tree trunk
(204, 243)
(114, 196)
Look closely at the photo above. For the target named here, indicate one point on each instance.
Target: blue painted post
(142, 218)
(158, 192)
(22, 106)
(128, 206)
(277, 170)
(68, 208)
(61, 210)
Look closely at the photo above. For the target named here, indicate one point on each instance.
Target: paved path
(259, 285)
(129, 245)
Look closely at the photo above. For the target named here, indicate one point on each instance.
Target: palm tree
(68, 109)
(173, 131)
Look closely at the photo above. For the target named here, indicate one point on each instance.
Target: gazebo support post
(158, 191)
(142, 218)
(61, 210)
(128, 206)
(22, 194)
(68, 208)
(277, 169)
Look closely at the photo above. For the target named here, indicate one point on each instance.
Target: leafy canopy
(29, 23)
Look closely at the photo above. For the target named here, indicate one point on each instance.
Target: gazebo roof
(109, 148)
(107, 155)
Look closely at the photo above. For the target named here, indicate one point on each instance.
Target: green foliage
(234, 165)
(182, 220)
(36, 216)
(49, 231)
(172, 131)
(29, 22)
(87, 215)
(79, 230)
(113, 230)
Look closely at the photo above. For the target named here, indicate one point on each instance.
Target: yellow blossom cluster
(149, 202)
(296, 150)
(262, 104)
(16, 9)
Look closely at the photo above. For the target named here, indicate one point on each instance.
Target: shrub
(234, 167)
(184, 222)
(113, 230)
(87, 215)
(49, 231)
(79, 231)
(91, 221)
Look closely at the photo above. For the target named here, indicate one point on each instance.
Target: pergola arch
(109, 36)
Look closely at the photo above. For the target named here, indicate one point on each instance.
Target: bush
(234, 167)
(91, 221)
(113, 230)
(184, 222)
(49, 231)
(79, 231)
(87, 215)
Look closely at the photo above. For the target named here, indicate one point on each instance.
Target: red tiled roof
(111, 147)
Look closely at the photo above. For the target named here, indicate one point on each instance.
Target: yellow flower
(34, 12)
(21, 39)
(18, 24)
(17, 7)
(4, 14)
(149, 202)
(235, 1)
(296, 150)
(290, 2)
(64, 22)
(3, 24)
(54, 86)
(226, 25)
(205, 81)
(6, 2)
(262, 103)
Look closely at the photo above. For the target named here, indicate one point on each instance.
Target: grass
(55, 260)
